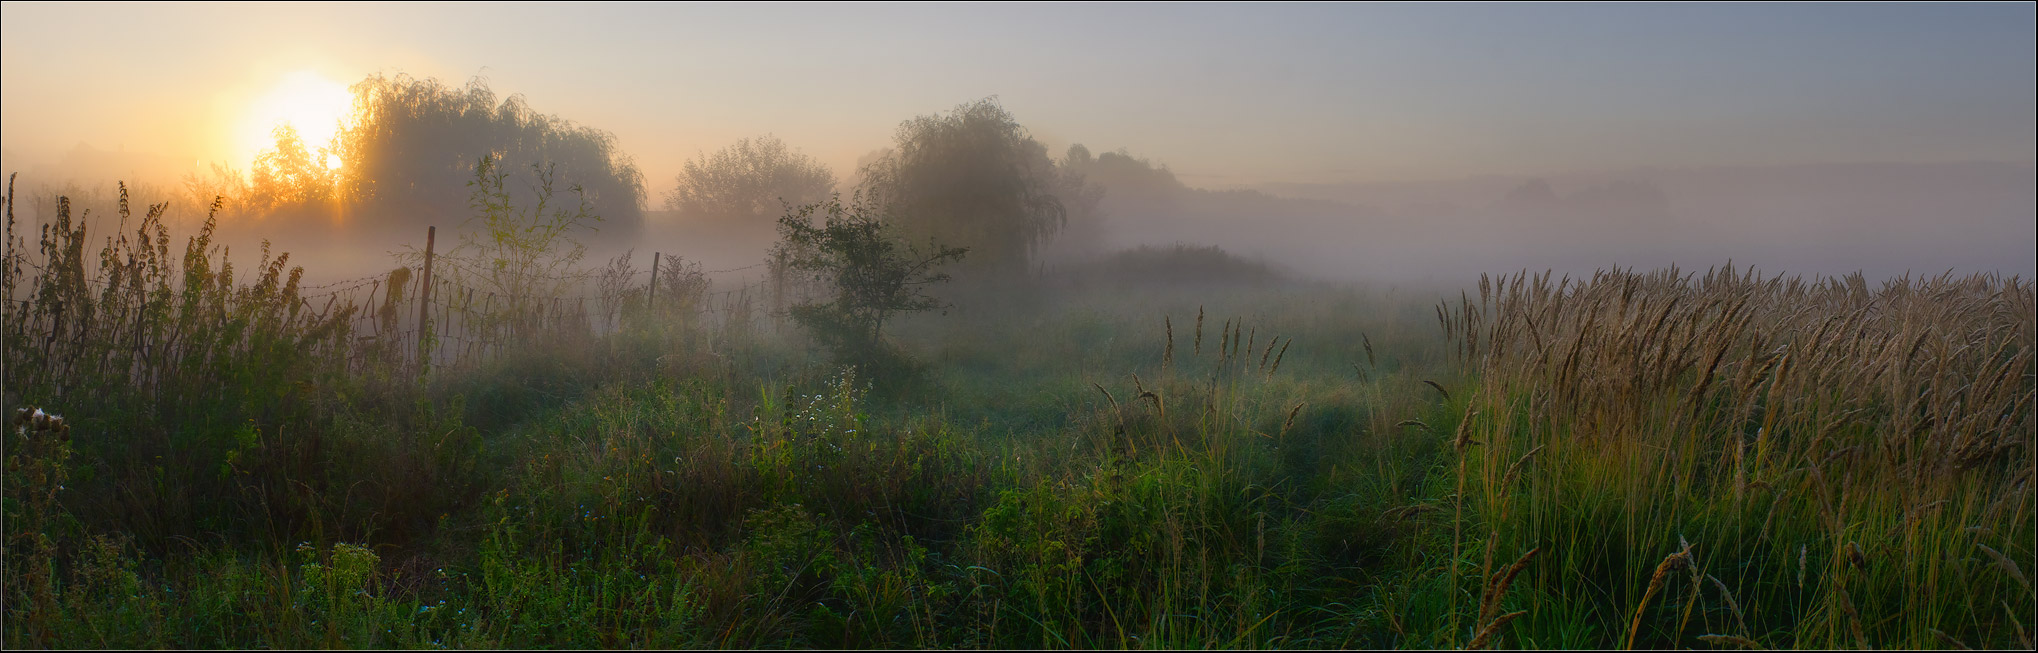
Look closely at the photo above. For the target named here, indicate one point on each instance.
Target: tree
(750, 180)
(290, 174)
(1082, 235)
(411, 144)
(872, 275)
(973, 178)
(288, 179)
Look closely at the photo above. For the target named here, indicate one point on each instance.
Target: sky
(1225, 95)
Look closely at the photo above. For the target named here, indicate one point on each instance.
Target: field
(201, 457)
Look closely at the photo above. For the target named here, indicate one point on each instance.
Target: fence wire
(470, 315)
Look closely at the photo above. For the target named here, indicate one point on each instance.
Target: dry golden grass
(1891, 426)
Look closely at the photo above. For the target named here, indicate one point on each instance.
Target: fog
(1320, 141)
(1879, 219)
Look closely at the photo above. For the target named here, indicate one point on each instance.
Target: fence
(471, 318)
(444, 314)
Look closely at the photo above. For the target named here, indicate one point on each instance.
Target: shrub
(873, 277)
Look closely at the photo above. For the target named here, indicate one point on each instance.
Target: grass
(1655, 459)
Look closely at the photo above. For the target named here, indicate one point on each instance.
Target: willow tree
(409, 150)
(975, 179)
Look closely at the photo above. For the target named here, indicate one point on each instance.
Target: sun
(306, 101)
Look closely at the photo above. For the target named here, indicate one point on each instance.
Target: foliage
(410, 144)
(38, 457)
(872, 274)
(1082, 236)
(176, 354)
(749, 180)
(1123, 171)
(682, 287)
(976, 179)
(1651, 459)
(524, 252)
(291, 174)
(615, 285)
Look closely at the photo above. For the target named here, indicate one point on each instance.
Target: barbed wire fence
(470, 316)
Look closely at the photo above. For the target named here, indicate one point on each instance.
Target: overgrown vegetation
(203, 458)
(870, 274)
(526, 254)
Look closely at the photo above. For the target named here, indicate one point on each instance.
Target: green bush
(872, 275)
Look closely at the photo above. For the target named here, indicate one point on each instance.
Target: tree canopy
(973, 178)
(290, 174)
(753, 179)
(412, 145)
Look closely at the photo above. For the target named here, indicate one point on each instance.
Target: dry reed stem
(1440, 389)
(1496, 587)
(1118, 415)
(1159, 406)
(1855, 557)
(1486, 572)
(1671, 563)
(1464, 436)
(1107, 394)
(1485, 635)
(1168, 356)
(1948, 640)
(1292, 412)
(2022, 637)
(1800, 566)
(2007, 565)
(1740, 619)
(1514, 469)
(1853, 616)
(1690, 598)
(1224, 343)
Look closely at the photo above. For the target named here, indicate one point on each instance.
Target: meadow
(200, 456)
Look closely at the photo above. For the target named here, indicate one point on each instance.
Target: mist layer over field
(1882, 220)
(1804, 139)
(1115, 326)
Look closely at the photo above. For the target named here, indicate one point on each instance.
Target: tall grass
(1841, 460)
(1655, 459)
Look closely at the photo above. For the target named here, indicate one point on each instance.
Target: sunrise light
(309, 102)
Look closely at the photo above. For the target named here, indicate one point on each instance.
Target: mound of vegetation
(1179, 264)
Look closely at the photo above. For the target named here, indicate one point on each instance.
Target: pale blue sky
(1225, 94)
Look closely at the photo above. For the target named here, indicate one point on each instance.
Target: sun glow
(306, 101)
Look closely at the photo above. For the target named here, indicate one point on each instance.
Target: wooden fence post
(425, 304)
(650, 300)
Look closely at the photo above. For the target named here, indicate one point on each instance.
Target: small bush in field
(873, 275)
